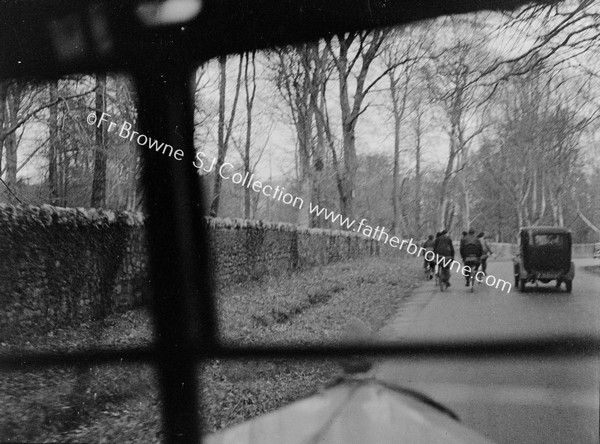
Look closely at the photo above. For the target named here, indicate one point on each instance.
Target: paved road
(510, 401)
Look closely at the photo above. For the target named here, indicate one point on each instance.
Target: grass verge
(119, 403)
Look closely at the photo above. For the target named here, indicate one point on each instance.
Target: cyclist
(471, 252)
(487, 251)
(429, 265)
(443, 247)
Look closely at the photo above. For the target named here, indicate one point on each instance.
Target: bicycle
(429, 270)
(484, 259)
(441, 277)
(473, 263)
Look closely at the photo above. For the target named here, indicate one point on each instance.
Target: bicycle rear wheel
(444, 277)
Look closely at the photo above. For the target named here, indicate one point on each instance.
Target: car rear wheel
(569, 285)
(522, 287)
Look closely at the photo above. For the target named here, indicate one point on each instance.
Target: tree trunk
(396, 170)
(444, 191)
(98, 199)
(467, 207)
(350, 168)
(53, 146)
(214, 207)
(350, 164)
(10, 143)
(63, 175)
(350, 112)
(304, 131)
(561, 217)
(3, 96)
(317, 104)
(223, 130)
(250, 94)
(418, 173)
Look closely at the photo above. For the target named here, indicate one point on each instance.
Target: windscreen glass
(73, 274)
(345, 175)
(343, 179)
(346, 178)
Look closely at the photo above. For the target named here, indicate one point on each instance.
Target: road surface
(508, 400)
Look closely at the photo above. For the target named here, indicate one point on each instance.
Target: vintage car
(544, 255)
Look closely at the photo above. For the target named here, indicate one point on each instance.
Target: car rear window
(550, 239)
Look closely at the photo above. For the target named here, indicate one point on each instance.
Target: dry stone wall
(65, 266)
(62, 266)
(247, 249)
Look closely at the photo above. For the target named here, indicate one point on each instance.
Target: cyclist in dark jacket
(443, 247)
(470, 247)
(428, 246)
(429, 243)
(487, 251)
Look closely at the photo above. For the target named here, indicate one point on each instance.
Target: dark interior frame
(161, 62)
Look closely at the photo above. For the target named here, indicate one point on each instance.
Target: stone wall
(64, 266)
(583, 250)
(245, 249)
(61, 266)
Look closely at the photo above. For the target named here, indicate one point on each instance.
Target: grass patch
(119, 403)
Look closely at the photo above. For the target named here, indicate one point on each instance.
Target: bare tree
(558, 34)
(403, 52)
(245, 148)
(250, 89)
(455, 86)
(99, 179)
(13, 105)
(53, 145)
(345, 60)
(224, 127)
(537, 154)
(418, 126)
(301, 78)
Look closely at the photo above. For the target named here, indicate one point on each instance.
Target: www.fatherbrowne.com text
(378, 233)
(226, 171)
